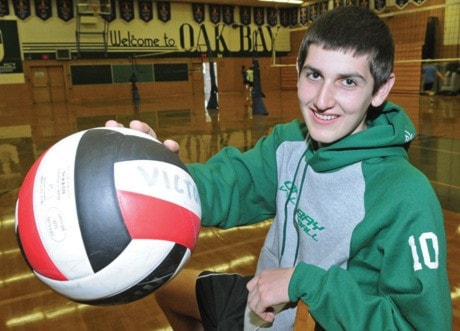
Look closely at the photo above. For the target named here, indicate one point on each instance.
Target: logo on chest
(302, 221)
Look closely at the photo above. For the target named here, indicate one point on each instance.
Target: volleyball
(107, 216)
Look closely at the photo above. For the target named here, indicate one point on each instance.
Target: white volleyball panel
(160, 180)
(55, 209)
(136, 262)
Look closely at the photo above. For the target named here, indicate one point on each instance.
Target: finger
(265, 313)
(113, 124)
(172, 145)
(143, 127)
(268, 316)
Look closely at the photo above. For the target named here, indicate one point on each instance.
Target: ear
(381, 95)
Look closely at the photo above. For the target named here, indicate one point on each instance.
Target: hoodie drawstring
(292, 190)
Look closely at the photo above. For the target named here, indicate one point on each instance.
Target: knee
(161, 296)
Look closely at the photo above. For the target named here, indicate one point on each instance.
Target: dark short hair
(357, 29)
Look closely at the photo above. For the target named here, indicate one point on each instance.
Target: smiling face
(335, 91)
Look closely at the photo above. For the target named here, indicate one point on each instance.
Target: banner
(401, 3)
(4, 8)
(164, 11)
(272, 16)
(313, 9)
(10, 53)
(146, 10)
(198, 12)
(127, 10)
(322, 7)
(113, 13)
(245, 15)
(303, 15)
(285, 20)
(259, 15)
(228, 16)
(294, 15)
(22, 8)
(380, 5)
(364, 3)
(214, 13)
(65, 10)
(43, 9)
(336, 3)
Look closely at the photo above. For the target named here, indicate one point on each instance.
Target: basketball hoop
(93, 7)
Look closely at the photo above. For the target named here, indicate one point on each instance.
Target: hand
(268, 289)
(144, 127)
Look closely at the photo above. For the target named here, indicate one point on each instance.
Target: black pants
(222, 300)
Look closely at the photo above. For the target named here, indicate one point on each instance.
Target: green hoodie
(362, 226)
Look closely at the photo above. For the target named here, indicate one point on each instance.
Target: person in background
(429, 75)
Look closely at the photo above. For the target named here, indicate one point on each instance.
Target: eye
(349, 82)
(313, 75)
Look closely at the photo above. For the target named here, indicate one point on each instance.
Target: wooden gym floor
(25, 132)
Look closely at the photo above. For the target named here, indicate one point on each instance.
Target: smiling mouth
(325, 117)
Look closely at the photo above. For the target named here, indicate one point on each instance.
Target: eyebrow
(342, 76)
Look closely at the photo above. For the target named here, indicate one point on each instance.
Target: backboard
(95, 7)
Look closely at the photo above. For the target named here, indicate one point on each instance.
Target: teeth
(325, 117)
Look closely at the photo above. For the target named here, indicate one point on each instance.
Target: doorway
(48, 83)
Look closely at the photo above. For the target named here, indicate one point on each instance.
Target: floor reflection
(25, 132)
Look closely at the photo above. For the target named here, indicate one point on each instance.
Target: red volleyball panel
(29, 236)
(147, 217)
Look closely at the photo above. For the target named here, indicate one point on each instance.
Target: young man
(357, 232)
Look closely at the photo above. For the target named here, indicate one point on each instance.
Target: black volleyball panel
(102, 226)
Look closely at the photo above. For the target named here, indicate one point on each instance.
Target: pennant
(272, 16)
(227, 15)
(146, 10)
(259, 15)
(364, 3)
(401, 3)
(127, 10)
(164, 11)
(113, 13)
(65, 10)
(294, 16)
(245, 15)
(4, 8)
(304, 17)
(380, 5)
(214, 13)
(22, 8)
(198, 12)
(313, 12)
(322, 7)
(284, 17)
(43, 9)
(338, 3)
(105, 7)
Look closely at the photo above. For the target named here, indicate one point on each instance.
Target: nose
(325, 97)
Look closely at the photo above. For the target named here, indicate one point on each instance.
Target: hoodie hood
(389, 134)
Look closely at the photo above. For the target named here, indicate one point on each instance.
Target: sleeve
(238, 188)
(396, 279)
